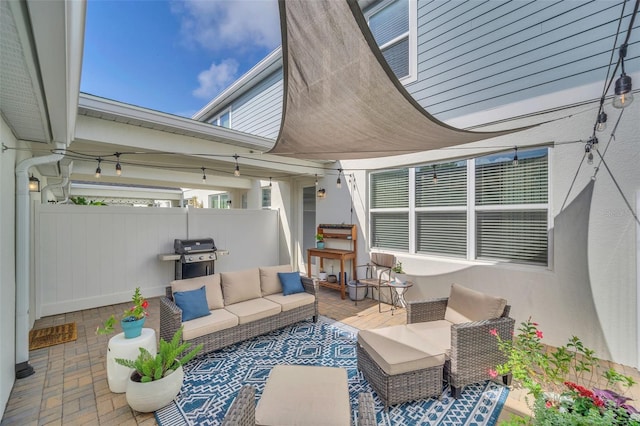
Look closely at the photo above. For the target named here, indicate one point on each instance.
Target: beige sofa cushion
(220, 319)
(398, 349)
(466, 305)
(212, 288)
(239, 286)
(292, 301)
(269, 281)
(286, 399)
(253, 310)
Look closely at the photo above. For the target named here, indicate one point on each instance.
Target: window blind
(519, 236)
(390, 22)
(390, 189)
(442, 233)
(450, 189)
(499, 182)
(390, 230)
(397, 56)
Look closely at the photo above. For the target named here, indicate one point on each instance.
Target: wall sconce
(34, 184)
(322, 193)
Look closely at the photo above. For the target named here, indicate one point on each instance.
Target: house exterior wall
(590, 287)
(480, 63)
(7, 264)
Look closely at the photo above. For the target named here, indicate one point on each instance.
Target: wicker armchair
(474, 349)
(243, 409)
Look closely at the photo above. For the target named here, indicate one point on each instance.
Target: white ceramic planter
(401, 277)
(322, 276)
(151, 396)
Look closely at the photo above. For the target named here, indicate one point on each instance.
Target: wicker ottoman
(398, 367)
(305, 395)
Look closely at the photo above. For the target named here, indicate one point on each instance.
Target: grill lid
(194, 246)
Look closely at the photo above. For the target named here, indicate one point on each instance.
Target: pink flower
(493, 332)
(539, 334)
(548, 404)
(493, 373)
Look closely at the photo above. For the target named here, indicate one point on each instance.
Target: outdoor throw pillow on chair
(291, 283)
(193, 303)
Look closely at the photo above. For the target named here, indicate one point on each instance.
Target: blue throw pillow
(193, 303)
(291, 283)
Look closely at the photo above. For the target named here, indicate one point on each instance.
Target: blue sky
(174, 56)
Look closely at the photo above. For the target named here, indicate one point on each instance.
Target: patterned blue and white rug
(212, 380)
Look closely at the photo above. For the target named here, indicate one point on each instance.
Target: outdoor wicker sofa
(243, 409)
(448, 338)
(241, 305)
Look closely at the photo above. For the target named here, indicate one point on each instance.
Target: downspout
(62, 184)
(23, 241)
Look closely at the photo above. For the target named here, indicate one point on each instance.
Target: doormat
(212, 381)
(50, 336)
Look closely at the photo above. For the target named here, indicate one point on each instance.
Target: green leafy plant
(397, 268)
(81, 201)
(319, 237)
(561, 381)
(134, 313)
(149, 367)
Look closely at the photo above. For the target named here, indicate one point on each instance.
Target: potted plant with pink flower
(132, 319)
(562, 382)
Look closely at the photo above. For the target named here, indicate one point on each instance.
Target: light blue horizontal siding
(473, 56)
(259, 111)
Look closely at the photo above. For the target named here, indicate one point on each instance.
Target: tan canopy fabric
(341, 99)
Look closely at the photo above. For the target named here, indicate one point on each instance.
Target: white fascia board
(108, 106)
(92, 130)
(269, 64)
(58, 34)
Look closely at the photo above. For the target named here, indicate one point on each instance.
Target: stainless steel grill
(197, 257)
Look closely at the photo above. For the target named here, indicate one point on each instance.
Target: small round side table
(119, 347)
(398, 296)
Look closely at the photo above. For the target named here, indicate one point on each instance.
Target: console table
(335, 232)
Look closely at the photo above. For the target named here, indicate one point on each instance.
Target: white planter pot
(401, 277)
(322, 276)
(151, 396)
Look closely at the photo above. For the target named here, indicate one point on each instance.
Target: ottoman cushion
(305, 395)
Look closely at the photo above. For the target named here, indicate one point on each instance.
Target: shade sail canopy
(341, 99)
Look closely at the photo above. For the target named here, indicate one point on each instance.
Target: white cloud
(216, 78)
(218, 24)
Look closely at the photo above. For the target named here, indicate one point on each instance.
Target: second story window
(223, 120)
(394, 29)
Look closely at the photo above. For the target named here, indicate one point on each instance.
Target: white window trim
(412, 36)
(471, 208)
(216, 119)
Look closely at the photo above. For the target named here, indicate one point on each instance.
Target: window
(219, 201)
(223, 120)
(266, 198)
(484, 208)
(393, 25)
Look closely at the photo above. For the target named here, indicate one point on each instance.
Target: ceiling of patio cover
(341, 99)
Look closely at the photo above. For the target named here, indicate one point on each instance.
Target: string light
(515, 157)
(204, 176)
(602, 122)
(587, 150)
(339, 182)
(593, 141)
(118, 166)
(316, 179)
(98, 169)
(236, 172)
(623, 85)
(269, 181)
(435, 175)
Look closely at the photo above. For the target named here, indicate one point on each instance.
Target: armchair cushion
(466, 305)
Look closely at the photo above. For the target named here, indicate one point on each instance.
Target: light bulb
(338, 183)
(118, 169)
(623, 96)
(602, 122)
(236, 172)
(98, 169)
(590, 158)
(515, 157)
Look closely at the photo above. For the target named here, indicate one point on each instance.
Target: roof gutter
(23, 250)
